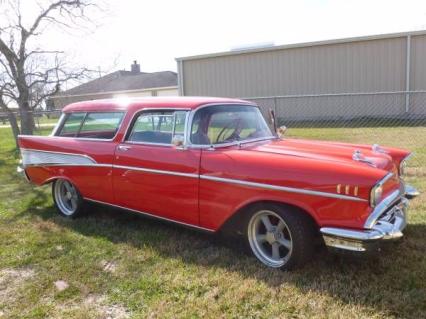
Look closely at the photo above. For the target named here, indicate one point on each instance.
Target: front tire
(279, 236)
(67, 198)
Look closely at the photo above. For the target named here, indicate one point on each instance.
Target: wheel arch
(236, 220)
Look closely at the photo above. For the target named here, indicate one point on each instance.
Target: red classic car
(214, 164)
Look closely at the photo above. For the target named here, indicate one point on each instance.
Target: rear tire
(67, 198)
(279, 236)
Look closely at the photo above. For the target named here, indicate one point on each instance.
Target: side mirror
(281, 131)
(178, 141)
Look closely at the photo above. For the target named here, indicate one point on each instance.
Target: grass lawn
(119, 265)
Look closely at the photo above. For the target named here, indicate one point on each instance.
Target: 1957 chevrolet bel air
(213, 163)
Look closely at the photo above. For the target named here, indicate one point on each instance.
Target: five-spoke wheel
(67, 198)
(279, 237)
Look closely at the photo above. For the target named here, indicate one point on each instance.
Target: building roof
(183, 102)
(123, 81)
(304, 44)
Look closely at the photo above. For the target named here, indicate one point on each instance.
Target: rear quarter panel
(92, 181)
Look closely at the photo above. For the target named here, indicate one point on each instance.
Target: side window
(72, 124)
(158, 127)
(101, 125)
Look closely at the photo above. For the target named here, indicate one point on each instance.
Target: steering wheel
(227, 127)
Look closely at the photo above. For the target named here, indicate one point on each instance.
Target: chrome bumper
(385, 223)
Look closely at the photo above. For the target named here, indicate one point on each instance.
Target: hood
(326, 151)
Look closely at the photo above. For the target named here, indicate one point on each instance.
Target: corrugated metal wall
(365, 66)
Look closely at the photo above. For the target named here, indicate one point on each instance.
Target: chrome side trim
(34, 157)
(280, 188)
(39, 158)
(55, 152)
(150, 215)
(63, 165)
(156, 171)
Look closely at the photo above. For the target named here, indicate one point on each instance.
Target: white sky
(156, 32)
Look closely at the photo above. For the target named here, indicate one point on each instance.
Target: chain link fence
(395, 119)
(387, 118)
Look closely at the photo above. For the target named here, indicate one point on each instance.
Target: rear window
(99, 125)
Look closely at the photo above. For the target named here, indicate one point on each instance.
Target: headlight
(376, 195)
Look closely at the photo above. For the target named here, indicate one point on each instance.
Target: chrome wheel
(66, 197)
(270, 238)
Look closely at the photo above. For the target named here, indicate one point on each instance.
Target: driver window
(227, 123)
(158, 127)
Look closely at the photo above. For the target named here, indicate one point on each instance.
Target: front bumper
(386, 223)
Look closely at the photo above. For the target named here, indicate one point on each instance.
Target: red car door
(153, 176)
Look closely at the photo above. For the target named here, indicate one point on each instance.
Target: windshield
(218, 124)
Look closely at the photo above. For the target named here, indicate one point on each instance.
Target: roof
(304, 44)
(181, 102)
(125, 80)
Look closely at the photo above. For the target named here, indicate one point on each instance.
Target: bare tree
(29, 74)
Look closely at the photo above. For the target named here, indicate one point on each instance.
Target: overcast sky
(156, 32)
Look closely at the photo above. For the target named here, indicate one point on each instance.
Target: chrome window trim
(150, 215)
(280, 188)
(82, 122)
(58, 125)
(148, 109)
(189, 144)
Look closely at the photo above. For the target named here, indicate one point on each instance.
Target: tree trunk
(27, 120)
(14, 125)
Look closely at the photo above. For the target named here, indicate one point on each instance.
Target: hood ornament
(376, 148)
(358, 156)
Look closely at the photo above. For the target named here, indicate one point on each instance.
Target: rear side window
(99, 125)
(72, 124)
(158, 127)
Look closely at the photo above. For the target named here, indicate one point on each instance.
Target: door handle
(123, 148)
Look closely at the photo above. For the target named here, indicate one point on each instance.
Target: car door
(153, 176)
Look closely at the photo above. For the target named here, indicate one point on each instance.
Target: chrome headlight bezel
(376, 194)
(377, 190)
(403, 165)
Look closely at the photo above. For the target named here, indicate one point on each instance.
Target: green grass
(121, 265)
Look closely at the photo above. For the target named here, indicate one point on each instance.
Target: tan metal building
(372, 76)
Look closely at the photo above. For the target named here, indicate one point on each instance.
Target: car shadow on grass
(392, 281)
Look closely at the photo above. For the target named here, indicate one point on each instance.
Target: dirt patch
(11, 280)
(105, 310)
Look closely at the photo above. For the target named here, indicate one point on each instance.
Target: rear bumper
(386, 224)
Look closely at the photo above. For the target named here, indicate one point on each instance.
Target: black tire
(75, 206)
(295, 241)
